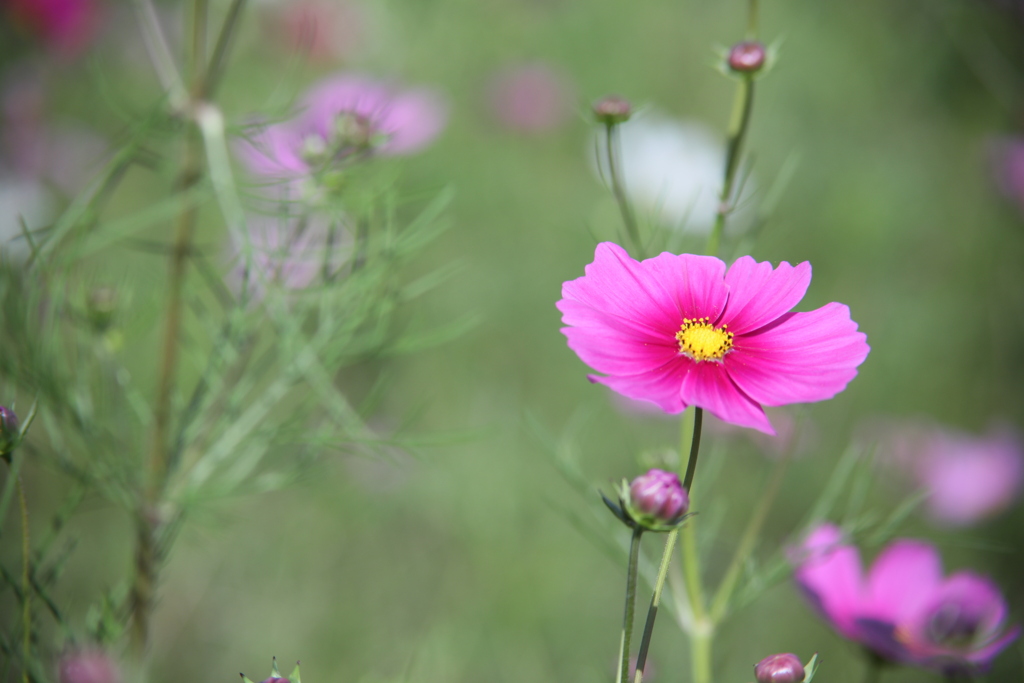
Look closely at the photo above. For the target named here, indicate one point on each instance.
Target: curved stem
(627, 617)
(652, 612)
(618, 186)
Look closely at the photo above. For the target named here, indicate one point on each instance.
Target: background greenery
(461, 561)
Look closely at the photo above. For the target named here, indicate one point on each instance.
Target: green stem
(752, 15)
(652, 612)
(700, 654)
(627, 617)
(691, 463)
(618, 187)
(26, 584)
(742, 105)
(721, 600)
(220, 51)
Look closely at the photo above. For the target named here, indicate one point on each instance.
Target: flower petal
(660, 386)
(694, 284)
(902, 581)
(805, 357)
(617, 285)
(759, 294)
(708, 386)
(829, 574)
(983, 657)
(612, 348)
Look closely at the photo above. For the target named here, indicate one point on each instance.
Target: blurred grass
(455, 566)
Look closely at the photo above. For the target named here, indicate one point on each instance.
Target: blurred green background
(462, 562)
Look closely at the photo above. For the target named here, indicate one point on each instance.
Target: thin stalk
(652, 612)
(618, 185)
(873, 672)
(218, 61)
(627, 617)
(721, 600)
(26, 584)
(691, 463)
(752, 15)
(742, 105)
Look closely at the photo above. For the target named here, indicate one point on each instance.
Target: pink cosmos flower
(681, 331)
(530, 99)
(967, 478)
(342, 117)
(904, 610)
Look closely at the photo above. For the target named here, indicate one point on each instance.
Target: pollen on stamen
(700, 340)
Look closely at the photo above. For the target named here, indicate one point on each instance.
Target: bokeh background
(469, 558)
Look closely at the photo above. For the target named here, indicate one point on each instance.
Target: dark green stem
(26, 584)
(691, 464)
(627, 617)
(618, 186)
(220, 51)
(652, 612)
(873, 673)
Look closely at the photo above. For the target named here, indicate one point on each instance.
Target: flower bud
(657, 499)
(612, 109)
(747, 57)
(8, 430)
(87, 666)
(783, 668)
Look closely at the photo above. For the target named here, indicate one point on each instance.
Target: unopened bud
(87, 666)
(8, 430)
(658, 498)
(612, 109)
(747, 57)
(783, 668)
(353, 131)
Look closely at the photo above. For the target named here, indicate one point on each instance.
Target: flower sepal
(276, 677)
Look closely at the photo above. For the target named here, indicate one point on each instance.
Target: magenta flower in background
(904, 610)
(680, 331)
(967, 478)
(342, 117)
(534, 98)
(1007, 155)
(324, 30)
(88, 666)
(66, 26)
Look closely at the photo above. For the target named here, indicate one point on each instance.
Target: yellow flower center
(700, 340)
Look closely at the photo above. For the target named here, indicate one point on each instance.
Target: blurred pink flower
(904, 610)
(289, 253)
(324, 30)
(1007, 156)
(967, 478)
(533, 98)
(792, 436)
(680, 331)
(66, 26)
(87, 666)
(344, 117)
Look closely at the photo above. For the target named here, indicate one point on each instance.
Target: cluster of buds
(655, 501)
(784, 668)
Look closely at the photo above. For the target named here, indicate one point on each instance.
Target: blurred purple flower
(904, 610)
(533, 98)
(967, 478)
(344, 117)
(67, 27)
(1007, 157)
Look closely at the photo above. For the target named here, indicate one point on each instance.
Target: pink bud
(659, 494)
(747, 57)
(784, 668)
(612, 109)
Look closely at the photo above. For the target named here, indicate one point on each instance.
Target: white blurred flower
(21, 199)
(672, 169)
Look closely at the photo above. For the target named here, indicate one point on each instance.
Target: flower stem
(873, 673)
(691, 463)
(742, 105)
(26, 584)
(627, 617)
(700, 653)
(652, 612)
(618, 186)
